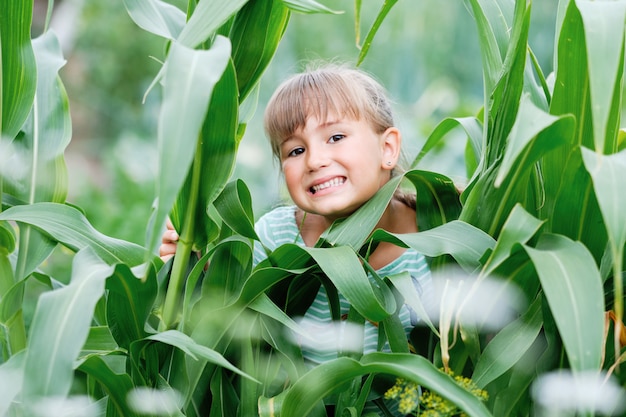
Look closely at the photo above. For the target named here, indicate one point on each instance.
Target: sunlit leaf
(604, 38)
(157, 17)
(308, 6)
(207, 17)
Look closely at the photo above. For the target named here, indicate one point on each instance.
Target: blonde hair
(330, 89)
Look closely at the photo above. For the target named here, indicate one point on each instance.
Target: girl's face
(332, 167)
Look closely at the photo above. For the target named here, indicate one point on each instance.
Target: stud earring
(388, 163)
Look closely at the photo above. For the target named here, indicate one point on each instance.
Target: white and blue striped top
(279, 227)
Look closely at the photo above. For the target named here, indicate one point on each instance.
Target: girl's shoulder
(283, 215)
(278, 227)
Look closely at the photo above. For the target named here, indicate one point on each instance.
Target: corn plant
(209, 334)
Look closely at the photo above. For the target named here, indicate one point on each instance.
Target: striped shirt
(279, 227)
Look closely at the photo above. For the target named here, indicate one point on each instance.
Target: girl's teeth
(332, 183)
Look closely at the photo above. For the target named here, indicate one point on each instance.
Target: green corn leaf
(219, 148)
(229, 267)
(47, 133)
(489, 40)
(308, 6)
(437, 199)
(354, 230)
(331, 376)
(508, 346)
(608, 173)
(235, 208)
(206, 19)
(342, 266)
(519, 228)
(189, 347)
(188, 79)
(60, 327)
(534, 134)
(158, 17)
(255, 34)
(116, 385)
(18, 74)
(573, 287)
(129, 303)
(99, 341)
(471, 125)
(369, 38)
(11, 379)
(604, 37)
(68, 226)
(443, 240)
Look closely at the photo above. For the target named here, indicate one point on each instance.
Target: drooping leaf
(191, 348)
(206, 18)
(518, 229)
(68, 226)
(443, 240)
(235, 208)
(158, 17)
(437, 199)
(573, 287)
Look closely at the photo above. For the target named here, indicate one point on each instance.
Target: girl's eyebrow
(330, 123)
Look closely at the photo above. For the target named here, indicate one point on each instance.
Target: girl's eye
(336, 138)
(296, 152)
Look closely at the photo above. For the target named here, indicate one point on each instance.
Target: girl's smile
(319, 187)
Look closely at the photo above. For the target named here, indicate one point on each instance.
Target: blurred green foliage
(428, 60)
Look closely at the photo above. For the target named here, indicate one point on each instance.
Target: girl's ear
(391, 141)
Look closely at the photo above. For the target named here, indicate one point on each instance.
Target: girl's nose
(317, 158)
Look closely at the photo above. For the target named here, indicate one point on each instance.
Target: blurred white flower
(76, 406)
(487, 303)
(330, 337)
(586, 392)
(154, 402)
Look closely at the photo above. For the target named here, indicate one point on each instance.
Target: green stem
(618, 303)
(183, 248)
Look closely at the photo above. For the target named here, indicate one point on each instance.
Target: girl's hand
(168, 242)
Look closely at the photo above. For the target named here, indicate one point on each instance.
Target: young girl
(333, 133)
